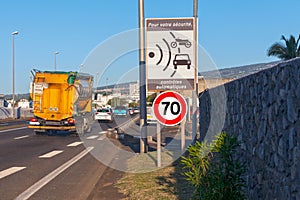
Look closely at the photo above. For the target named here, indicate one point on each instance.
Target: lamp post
(80, 68)
(195, 93)
(13, 72)
(106, 92)
(142, 73)
(55, 53)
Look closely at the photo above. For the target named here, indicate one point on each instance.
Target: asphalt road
(59, 166)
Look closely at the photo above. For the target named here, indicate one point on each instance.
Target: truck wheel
(51, 132)
(38, 132)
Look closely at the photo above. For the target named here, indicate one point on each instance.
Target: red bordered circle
(161, 118)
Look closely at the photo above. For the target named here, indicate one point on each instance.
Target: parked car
(120, 111)
(104, 114)
(150, 116)
(136, 110)
(130, 111)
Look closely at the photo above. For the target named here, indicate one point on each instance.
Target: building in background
(1, 100)
(24, 103)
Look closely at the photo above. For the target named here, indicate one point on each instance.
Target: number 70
(174, 107)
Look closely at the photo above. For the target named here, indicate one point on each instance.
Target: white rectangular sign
(170, 54)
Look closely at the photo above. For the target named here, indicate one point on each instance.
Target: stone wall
(263, 111)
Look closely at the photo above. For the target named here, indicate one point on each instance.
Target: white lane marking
(102, 137)
(22, 137)
(41, 183)
(13, 129)
(10, 171)
(51, 154)
(74, 144)
(92, 137)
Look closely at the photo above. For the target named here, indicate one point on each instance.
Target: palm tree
(290, 50)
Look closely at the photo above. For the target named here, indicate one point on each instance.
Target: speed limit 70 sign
(169, 108)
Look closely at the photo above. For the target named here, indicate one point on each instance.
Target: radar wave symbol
(161, 52)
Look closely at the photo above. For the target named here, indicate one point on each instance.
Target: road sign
(169, 108)
(170, 54)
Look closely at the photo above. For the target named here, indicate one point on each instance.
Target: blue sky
(233, 32)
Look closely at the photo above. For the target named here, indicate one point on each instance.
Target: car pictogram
(182, 59)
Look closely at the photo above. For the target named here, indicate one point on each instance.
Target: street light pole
(106, 92)
(55, 53)
(13, 72)
(195, 93)
(80, 68)
(142, 72)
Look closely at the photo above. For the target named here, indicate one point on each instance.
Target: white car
(104, 114)
(150, 116)
(136, 110)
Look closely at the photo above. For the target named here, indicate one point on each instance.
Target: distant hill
(233, 72)
(116, 86)
(238, 72)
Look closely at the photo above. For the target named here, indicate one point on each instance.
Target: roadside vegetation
(213, 170)
(206, 171)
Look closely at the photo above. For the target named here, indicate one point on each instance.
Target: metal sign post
(158, 144)
(142, 70)
(169, 109)
(195, 94)
(171, 64)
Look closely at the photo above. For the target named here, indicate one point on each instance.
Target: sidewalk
(105, 189)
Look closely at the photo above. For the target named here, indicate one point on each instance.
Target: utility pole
(13, 72)
(106, 91)
(142, 73)
(195, 93)
(80, 68)
(55, 53)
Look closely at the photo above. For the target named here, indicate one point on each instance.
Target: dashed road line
(15, 129)
(22, 137)
(92, 137)
(10, 171)
(41, 183)
(102, 137)
(102, 132)
(51, 154)
(74, 144)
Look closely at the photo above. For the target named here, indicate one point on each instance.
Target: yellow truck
(62, 101)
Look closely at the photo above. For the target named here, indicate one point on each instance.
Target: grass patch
(166, 183)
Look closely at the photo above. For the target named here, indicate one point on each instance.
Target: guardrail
(6, 113)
